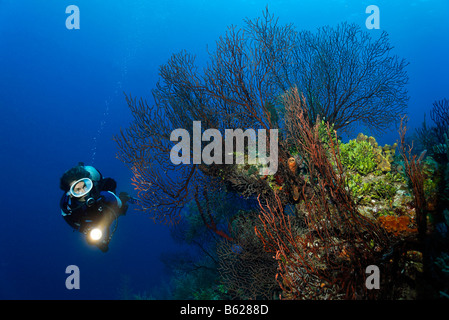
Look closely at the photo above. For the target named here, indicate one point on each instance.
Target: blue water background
(61, 100)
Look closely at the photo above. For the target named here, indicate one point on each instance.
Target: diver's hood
(94, 174)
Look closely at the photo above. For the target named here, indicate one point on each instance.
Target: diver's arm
(66, 212)
(111, 199)
(74, 223)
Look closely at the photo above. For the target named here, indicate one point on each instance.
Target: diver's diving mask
(81, 187)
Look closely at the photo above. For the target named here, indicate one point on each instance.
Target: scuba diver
(89, 204)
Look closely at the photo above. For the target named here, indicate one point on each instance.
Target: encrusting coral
(396, 225)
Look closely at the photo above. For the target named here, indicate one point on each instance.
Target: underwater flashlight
(95, 234)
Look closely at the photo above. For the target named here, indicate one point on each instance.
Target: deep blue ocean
(62, 101)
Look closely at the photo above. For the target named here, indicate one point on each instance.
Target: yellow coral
(383, 155)
(384, 165)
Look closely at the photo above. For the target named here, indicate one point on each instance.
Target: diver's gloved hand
(125, 197)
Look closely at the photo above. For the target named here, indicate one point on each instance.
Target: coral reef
(246, 270)
(396, 225)
(373, 178)
(332, 208)
(364, 155)
(326, 257)
(345, 212)
(358, 156)
(442, 148)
